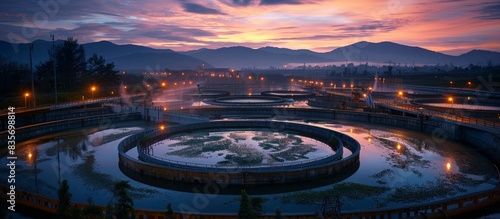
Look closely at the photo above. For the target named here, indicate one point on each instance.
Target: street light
(93, 89)
(451, 100)
(26, 95)
(451, 83)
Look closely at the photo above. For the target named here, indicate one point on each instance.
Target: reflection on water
(397, 167)
(237, 148)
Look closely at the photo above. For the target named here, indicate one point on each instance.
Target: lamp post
(26, 95)
(55, 64)
(93, 89)
(32, 76)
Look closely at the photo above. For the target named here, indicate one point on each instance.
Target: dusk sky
(449, 26)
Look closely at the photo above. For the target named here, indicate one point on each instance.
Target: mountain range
(133, 57)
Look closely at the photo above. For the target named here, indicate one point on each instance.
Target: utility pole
(32, 75)
(55, 64)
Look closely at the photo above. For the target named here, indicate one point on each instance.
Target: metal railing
(444, 115)
(71, 103)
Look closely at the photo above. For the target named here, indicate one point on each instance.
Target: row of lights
(92, 89)
(469, 84)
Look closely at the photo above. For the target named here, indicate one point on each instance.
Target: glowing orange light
(350, 130)
(448, 166)
(164, 108)
(163, 84)
(30, 155)
(26, 94)
(369, 139)
(162, 127)
(261, 78)
(400, 93)
(450, 99)
(291, 80)
(249, 77)
(398, 147)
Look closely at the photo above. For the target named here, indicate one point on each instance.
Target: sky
(450, 26)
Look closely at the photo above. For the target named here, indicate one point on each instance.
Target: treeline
(73, 71)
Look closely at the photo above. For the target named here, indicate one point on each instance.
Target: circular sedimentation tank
(288, 94)
(250, 100)
(209, 94)
(244, 168)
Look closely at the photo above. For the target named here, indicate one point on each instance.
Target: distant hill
(289, 51)
(158, 61)
(139, 57)
(479, 57)
(110, 51)
(244, 57)
(388, 52)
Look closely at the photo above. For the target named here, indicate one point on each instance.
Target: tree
(91, 211)
(246, 211)
(250, 208)
(13, 76)
(70, 64)
(170, 212)
(63, 209)
(257, 206)
(124, 204)
(45, 75)
(277, 211)
(389, 70)
(109, 210)
(100, 72)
